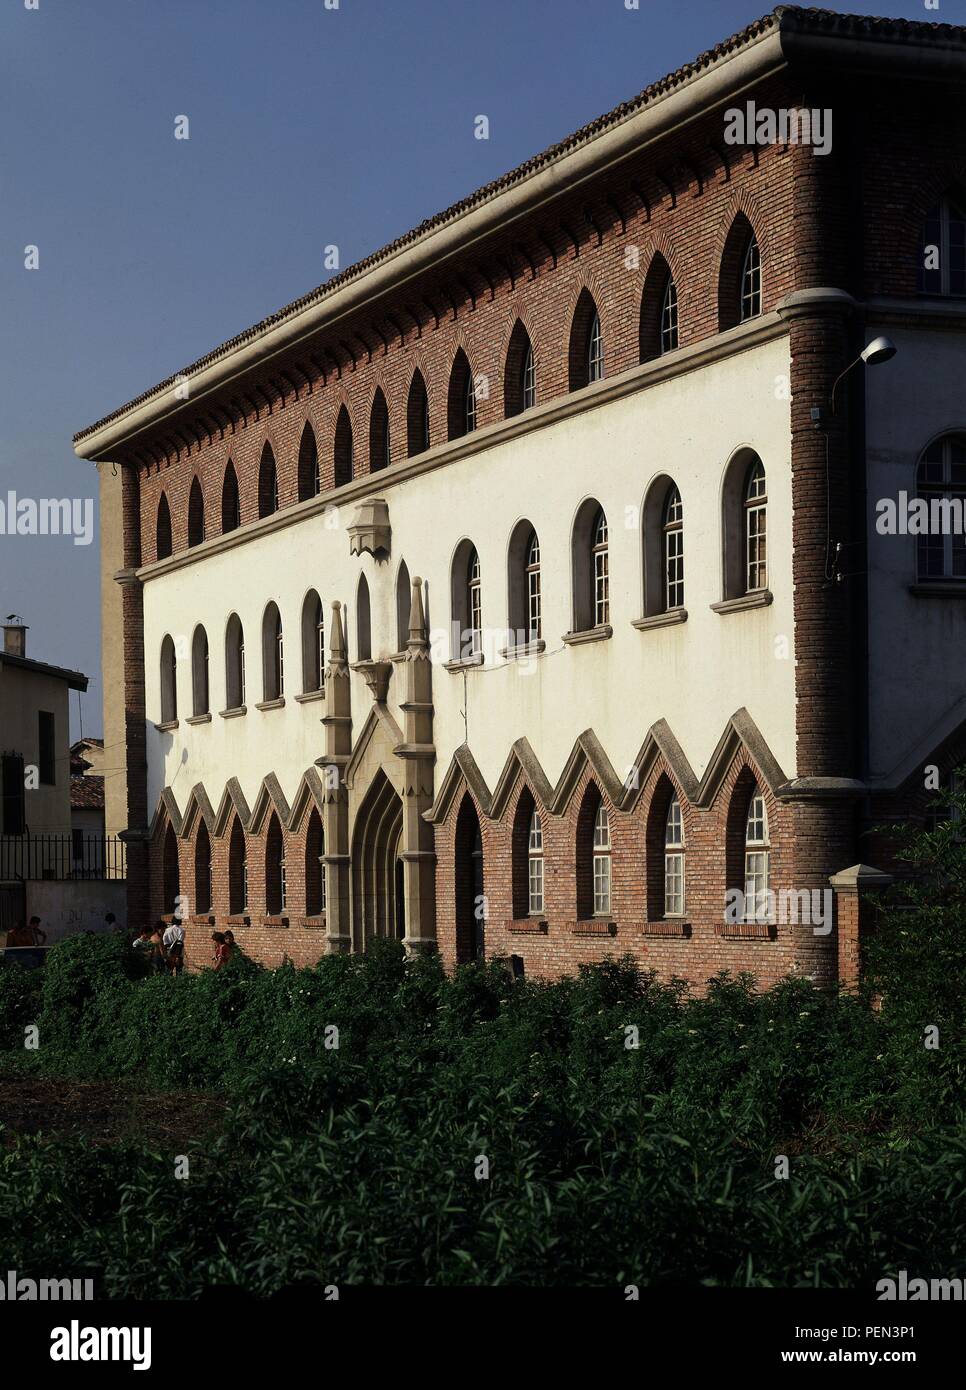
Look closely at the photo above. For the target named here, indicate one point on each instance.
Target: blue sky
(308, 126)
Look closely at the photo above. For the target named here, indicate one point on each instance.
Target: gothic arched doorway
(376, 879)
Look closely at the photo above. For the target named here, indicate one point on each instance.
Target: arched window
(314, 867)
(659, 311)
(756, 529)
(196, 514)
(310, 480)
(586, 355)
(474, 602)
(170, 874)
(379, 433)
(601, 570)
(593, 857)
(739, 275)
(524, 587)
(601, 862)
(267, 483)
(751, 281)
(276, 895)
(417, 416)
(663, 536)
(343, 448)
(942, 253)
(202, 871)
(535, 865)
(466, 598)
(199, 672)
(363, 621)
(169, 682)
(404, 598)
(235, 663)
(673, 529)
(273, 655)
(313, 643)
(163, 530)
(519, 377)
(237, 871)
(527, 858)
(756, 860)
(591, 568)
(674, 860)
(941, 484)
(745, 527)
(462, 397)
(230, 502)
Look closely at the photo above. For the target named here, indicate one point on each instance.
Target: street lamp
(879, 350)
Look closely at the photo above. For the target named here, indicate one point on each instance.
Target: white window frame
(602, 863)
(755, 526)
(535, 866)
(673, 528)
(534, 597)
(750, 299)
(601, 569)
(674, 860)
(669, 317)
(756, 859)
(595, 350)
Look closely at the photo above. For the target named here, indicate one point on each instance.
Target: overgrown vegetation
(608, 1163)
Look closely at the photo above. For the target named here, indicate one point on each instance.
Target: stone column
(419, 755)
(337, 722)
(855, 891)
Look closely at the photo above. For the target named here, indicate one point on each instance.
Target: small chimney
(14, 635)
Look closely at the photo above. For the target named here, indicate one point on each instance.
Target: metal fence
(80, 855)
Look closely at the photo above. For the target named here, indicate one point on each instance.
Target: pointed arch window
(461, 405)
(595, 350)
(417, 416)
(343, 448)
(756, 860)
(669, 317)
(314, 867)
(203, 871)
(276, 894)
(230, 501)
(535, 865)
(404, 598)
(750, 305)
(162, 547)
(237, 871)
(941, 484)
(363, 621)
(196, 514)
(267, 483)
(674, 860)
(310, 478)
(379, 456)
(520, 377)
(602, 862)
(942, 254)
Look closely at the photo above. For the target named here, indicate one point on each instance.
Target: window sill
(667, 926)
(277, 703)
(939, 588)
(746, 931)
(523, 649)
(308, 696)
(464, 663)
(199, 719)
(590, 634)
(202, 919)
(668, 619)
(318, 920)
(244, 920)
(594, 927)
(761, 598)
(233, 713)
(524, 925)
(273, 920)
(166, 726)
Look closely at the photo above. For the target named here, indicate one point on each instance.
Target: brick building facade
(612, 633)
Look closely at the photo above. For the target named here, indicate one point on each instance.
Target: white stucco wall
(694, 675)
(23, 694)
(916, 664)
